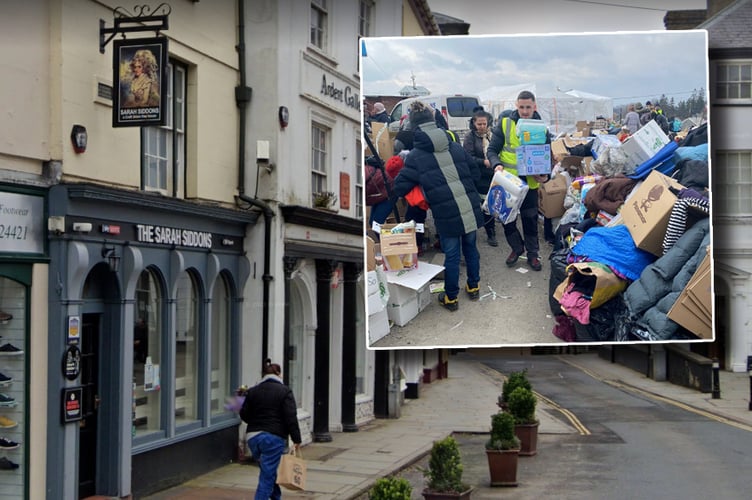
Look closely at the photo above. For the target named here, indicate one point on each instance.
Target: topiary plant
(390, 488)
(522, 402)
(502, 433)
(513, 381)
(445, 467)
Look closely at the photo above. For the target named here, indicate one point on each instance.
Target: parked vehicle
(456, 108)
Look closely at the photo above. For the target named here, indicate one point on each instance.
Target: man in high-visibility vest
(502, 153)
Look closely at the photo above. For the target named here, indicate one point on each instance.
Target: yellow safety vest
(508, 154)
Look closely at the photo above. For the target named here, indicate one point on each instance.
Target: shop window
(147, 354)
(163, 148)
(13, 380)
(733, 82)
(295, 353)
(186, 349)
(319, 160)
(732, 183)
(220, 345)
(319, 21)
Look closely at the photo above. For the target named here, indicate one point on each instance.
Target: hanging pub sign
(139, 82)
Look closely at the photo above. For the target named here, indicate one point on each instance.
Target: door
(87, 450)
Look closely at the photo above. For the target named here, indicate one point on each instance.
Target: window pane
(147, 341)
(733, 73)
(220, 346)
(746, 70)
(186, 352)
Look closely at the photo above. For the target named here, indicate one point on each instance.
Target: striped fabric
(677, 223)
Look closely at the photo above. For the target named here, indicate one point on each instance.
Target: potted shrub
(502, 450)
(513, 381)
(324, 200)
(444, 472)
(522, 402)
(390, 488)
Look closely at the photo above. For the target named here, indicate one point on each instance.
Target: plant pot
(502, 467)
(439, 495)
(528, 436)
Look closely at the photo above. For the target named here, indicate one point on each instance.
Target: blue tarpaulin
(663, 161)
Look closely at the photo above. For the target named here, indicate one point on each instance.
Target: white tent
(560, 111)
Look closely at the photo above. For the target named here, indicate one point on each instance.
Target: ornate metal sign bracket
(145, 19)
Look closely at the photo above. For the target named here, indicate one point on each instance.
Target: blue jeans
(451, 246)
(267, 449)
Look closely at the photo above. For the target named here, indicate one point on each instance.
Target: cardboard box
(646, 212)
(398, 250)
(559, 149)
(551, 196)
(378, 326)
(377, 292)
(693, 308)
(534, 159)
(602, 142)
(644, 144)
(370, 254)
(382, 139)
(409, 292)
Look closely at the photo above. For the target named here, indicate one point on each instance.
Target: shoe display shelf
(11, 409)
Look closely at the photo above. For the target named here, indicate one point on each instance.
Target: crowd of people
(454, 178)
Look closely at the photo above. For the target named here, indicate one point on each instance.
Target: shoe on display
(5, 317)
(7, 423)
(5, 380)
(535, 263)
(512, 259)
(10, 350)
(447, 303)
(7, 444)
(6, 464)
(473, 293)
(7, 401)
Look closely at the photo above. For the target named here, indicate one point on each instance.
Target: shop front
(144, 319)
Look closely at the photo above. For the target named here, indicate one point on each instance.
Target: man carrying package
(447, 175)
(502, 153)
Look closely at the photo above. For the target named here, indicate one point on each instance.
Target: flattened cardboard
(551, 196)
(647, 211)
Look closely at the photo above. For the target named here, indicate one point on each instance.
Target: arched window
(147, 354)
(220, 345)
(186, 349)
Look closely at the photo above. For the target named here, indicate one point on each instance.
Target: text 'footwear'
(451, 304)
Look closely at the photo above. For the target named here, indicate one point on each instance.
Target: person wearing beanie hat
(379, 113)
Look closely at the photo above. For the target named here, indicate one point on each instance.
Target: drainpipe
(242, 98)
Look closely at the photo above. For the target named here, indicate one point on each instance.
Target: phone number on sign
(13, 232)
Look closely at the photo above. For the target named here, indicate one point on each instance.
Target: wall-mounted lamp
(113, 259)
(79, 138)
(284, 116)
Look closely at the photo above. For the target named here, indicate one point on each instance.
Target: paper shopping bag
(291, 473)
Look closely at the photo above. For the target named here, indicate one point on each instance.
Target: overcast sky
(604, 48)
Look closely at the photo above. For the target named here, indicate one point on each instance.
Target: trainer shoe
(7, 423)
(7, 444)
(5, 317)
(535, 263)
(10, 350)
(7, 401)
(512, 259)
(5, 380)
(6, 464)
(451, 304)
(473, 293)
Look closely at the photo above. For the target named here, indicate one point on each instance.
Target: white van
(456, 108)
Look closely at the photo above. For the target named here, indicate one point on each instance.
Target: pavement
(346, 467)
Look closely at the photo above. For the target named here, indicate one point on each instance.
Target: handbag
(291, 473)
(375, 186)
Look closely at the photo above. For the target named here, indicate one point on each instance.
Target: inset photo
(537, 190)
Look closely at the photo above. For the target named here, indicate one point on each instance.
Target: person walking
(270, 411)
(447, 175)
(632, 119)
(476, 143)
(502, 153)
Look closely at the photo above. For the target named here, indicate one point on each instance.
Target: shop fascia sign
(341, 93)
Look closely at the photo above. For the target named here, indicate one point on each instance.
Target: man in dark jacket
(502, 155)
(270, 411)
(447, 175)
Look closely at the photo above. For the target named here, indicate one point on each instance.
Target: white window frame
(732, 184)
(365, 18)
(163, 148)
(718, 82)
(318, 35)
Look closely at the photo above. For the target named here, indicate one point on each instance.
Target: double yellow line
(584, 431)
